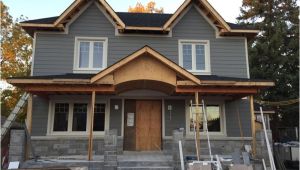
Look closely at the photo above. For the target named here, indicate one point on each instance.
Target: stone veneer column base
(17, 145)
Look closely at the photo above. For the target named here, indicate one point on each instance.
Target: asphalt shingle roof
(88, 76)
(138, 20)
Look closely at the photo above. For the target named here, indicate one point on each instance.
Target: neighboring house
(138, 72)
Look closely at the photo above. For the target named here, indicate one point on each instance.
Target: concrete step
(147, 168)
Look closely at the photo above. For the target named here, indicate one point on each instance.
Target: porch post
(29, 114)
(253, 130)
(90, 145)
(197, 125)
(28, 124)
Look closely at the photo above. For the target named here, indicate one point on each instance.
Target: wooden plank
(145, 68)
(152, 53)
(197, 125)
(112, 13)
(60, 88)
(29, 113)
(253, 125)
(144, 28)
(90, 146)
(47, 81)
(176, 14)
(218, 90)
(28, 124)
(129, 131)
(67, 12)
(148, 126)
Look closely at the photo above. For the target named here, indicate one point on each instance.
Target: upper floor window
(194, 56)
(90, 54)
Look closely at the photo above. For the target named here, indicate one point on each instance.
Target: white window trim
(76, 68)
(206, 44)
(222, 133)
(69, 132)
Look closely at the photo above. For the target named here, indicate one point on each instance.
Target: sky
(34, 9)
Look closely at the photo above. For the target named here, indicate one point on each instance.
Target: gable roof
(139, 21)
(154, 54)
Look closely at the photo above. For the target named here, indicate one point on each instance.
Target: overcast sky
(33, 9)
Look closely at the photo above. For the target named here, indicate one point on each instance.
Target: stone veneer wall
(63, 147)
(66, 147)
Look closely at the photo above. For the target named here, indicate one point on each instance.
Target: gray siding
(232, 125)
(116, 115)
(177, 118)
(54, 53)
(39, 116)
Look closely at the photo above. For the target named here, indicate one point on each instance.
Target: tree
(274, 53)
(149, 8)
(16, 50)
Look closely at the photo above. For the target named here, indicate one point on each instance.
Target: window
(73, 118)
(90, 54)
(61, 117)
(194, 56)
(79, 117)
(99, 117)
(213, 119)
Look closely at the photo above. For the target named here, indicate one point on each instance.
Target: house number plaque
(130, 119)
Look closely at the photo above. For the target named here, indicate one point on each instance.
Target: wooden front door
(145, 133)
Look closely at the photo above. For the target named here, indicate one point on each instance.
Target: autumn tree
(274, 54)
(16, 50)
(148, 8)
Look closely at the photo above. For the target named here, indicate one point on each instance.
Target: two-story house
(94, 69)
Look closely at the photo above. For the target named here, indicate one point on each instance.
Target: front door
(142, 125)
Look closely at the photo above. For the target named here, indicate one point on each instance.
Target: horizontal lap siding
(40, 109)
(175, 118)
(54, 53)
(232, 122)
(115, 119)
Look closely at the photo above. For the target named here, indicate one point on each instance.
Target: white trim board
(71, 102)
(207, 59)
(77, 41)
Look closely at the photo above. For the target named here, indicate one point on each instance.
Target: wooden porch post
(197, 109)
(29, 114)
(253, 130)
(90, 145)
(28, 124)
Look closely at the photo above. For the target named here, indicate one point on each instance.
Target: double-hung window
(194, 56)
(90, 54)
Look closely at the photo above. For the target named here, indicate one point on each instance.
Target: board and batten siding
(54, 53)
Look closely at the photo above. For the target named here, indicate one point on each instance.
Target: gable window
(90, 54)
(194, 56)
(73, 118)
(214, 119)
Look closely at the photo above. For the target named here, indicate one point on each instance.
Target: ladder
(13, 115)
(205, 128)
(216, 163)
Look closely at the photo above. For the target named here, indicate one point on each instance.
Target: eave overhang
(60, 23)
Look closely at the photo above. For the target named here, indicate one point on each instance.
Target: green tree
(274, 53)
(16, 50)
